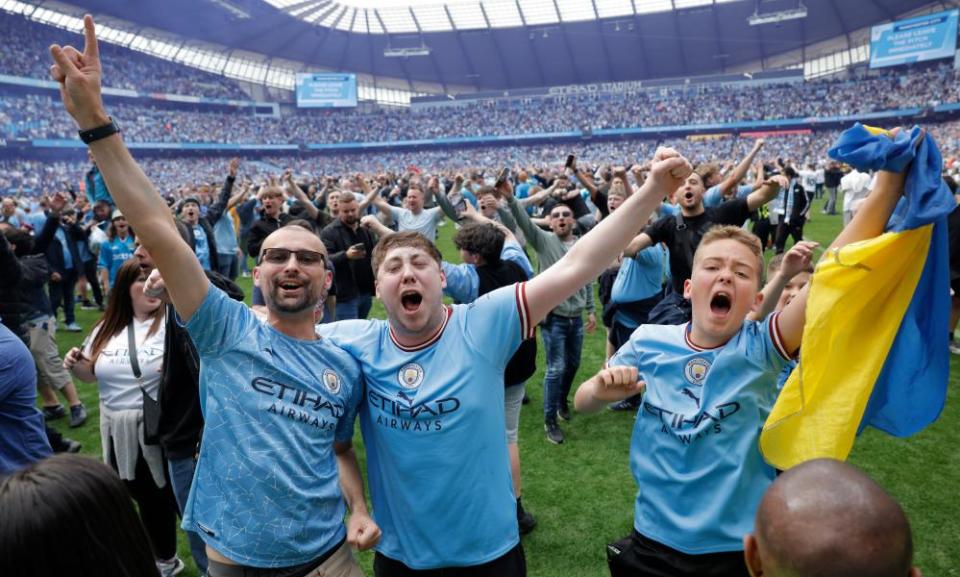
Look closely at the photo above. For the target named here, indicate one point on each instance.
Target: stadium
(471, 109)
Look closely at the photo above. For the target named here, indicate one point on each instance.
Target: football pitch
(581, 492)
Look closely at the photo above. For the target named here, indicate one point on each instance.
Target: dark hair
(70, 515)
(483, 239)
(21, 238)
(119, 313)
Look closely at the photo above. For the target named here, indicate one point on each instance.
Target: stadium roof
(510, 44)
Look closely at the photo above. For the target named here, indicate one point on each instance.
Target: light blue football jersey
(694, 451)
(266, 491)
(642, 275)
(713, 196)
(434, 431)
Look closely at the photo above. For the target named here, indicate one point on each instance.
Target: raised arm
(294, 190)
(640, 242)
(594, 251)
(795, 261)
(78, 74)
(767, 192)
(740, 171)
(220, 206)
(442, 201)
(868, 222)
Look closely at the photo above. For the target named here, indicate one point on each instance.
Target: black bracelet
(95, 134)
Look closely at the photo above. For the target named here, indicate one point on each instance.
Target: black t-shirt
(733, 212)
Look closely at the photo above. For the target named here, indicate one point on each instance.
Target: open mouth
(411, 300)
(290, 285)
(688, 196)
(720, 304)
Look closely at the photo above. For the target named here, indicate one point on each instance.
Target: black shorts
(510, 564)
(637, 556)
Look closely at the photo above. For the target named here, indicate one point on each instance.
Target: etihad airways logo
(403, 412)
(299, 405)
(690, 427)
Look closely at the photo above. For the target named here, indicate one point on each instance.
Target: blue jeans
(563, 341)
(181, 477)
(355, 308)
(228, 265)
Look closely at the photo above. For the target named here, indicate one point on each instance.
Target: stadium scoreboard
(326, 90)
(914, 39)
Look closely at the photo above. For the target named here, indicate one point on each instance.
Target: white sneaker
(954, 348)
(171, 567)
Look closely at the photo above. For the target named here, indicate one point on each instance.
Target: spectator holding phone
(350, 247)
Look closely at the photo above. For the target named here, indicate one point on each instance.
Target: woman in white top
(124, 354)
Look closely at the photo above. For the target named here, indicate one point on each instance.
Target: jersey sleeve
(766, 344)
(712, 196)
(219, 323)
(344, 429)
(628, 355)
(498, 322)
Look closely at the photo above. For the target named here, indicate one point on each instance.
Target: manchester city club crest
(696, 371)
(331, 380)
(410, 376)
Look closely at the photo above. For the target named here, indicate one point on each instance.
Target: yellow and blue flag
(874, 347)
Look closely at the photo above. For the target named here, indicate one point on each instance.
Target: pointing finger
(91, 50)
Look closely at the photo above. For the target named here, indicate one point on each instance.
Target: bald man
(825, 518)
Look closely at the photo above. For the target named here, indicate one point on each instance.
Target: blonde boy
(709, 386)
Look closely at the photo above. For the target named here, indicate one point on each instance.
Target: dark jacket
(29, 299)
(523, 363)
(54, 252)
(10, 301)
(261, 230)
(354, 277)
(181, 423)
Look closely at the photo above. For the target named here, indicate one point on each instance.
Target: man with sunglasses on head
(562, 329)
(276, 462)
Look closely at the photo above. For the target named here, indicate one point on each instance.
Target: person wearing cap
(202, 239)
(118, 248)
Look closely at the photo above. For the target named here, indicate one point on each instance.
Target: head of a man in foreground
(410, 283)
(291, 271)
(725, 282)
(825, 518)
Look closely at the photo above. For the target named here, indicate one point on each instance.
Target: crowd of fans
(688, 330)
(24, 53)
(35, 116)
(37, 177)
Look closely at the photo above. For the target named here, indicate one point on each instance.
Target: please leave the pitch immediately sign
(326, 90)
(914, 39)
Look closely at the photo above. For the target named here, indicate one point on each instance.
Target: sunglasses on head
(282, 255)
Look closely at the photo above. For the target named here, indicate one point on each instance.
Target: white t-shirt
(808, 179)
(855, 187)
(119, 388)
(425, 223)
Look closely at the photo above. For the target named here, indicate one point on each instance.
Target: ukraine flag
(874, 349)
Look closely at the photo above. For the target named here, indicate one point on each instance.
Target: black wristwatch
(103, 131)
